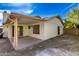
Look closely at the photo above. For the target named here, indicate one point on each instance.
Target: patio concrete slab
(25, 42)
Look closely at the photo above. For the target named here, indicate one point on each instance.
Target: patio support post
(16, 33)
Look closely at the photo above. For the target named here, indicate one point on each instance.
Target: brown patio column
(16, 33)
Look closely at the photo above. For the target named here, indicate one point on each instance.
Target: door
(58, 30)
(12, 31)
(20, 30)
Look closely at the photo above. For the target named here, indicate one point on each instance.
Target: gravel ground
(65, 45)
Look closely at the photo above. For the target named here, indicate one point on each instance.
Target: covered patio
(21, 40)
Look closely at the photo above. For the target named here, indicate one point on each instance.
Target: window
(36, 29)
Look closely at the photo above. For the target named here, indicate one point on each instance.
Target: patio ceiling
(27, 20)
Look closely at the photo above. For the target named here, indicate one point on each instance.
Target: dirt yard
(65, 45)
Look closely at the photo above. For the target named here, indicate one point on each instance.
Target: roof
(13, 16)
(60, 19)
(35, 17)
(17, 14)
(47, 18)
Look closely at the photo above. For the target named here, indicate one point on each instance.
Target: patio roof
(22, 18)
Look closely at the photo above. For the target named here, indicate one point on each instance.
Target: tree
(72, 20)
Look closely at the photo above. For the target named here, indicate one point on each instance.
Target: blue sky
(38, 9)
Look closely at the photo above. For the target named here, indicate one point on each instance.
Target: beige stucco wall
(51, 28)
(5, 31)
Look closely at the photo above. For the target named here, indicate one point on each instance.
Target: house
(17, 26)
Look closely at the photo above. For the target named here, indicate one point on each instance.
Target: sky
(38, 9)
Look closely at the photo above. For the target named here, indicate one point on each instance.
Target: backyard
(65, 45)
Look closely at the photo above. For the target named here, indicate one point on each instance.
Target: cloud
(22, 8)
(28, 11)
(23, 11)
